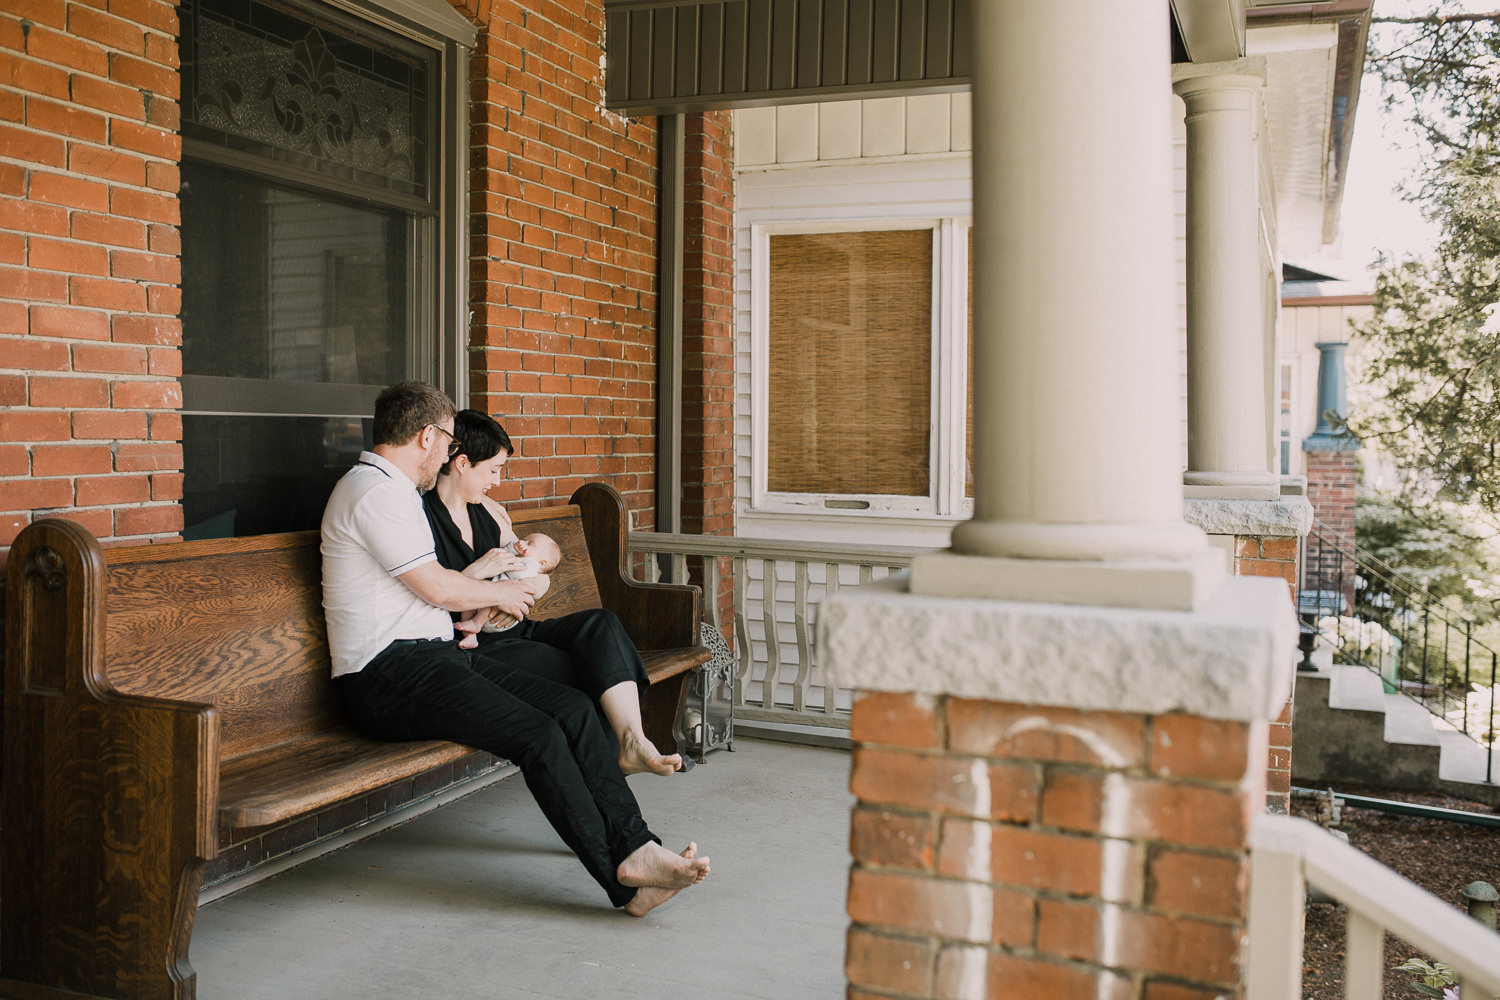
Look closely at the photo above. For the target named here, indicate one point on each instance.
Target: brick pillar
(1054, 801)
(1275, 557)
(708, 340)
(1003, 849)
(1331, 478)
(1262, 539)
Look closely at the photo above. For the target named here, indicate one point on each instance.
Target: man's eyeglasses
(453, 446)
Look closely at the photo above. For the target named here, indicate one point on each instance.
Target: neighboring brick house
(201, 292)
(1318, 318)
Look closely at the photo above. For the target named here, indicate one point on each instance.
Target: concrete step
(1407, 721)
(1463, 759)
(1355, 688)
(1347, 730)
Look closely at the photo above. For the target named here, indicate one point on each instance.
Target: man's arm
(446, 588)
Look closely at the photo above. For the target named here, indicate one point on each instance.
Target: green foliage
(1438, 980)
(1433, 545)
(1433, 980)
(1433, 347)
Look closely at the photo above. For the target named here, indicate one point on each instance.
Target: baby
(540, 555)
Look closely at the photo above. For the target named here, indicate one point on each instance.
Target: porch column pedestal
(1052, 800)
(1226, 323)
(1262, 538)
(1077, 477)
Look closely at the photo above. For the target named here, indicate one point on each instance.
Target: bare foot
(469, 641)
(638, 754)
(649, 897)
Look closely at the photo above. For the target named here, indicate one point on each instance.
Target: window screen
(309, 194)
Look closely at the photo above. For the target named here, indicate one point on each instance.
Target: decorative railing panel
(777, 587)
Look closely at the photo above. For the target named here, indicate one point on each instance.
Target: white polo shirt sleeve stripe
(397, 540)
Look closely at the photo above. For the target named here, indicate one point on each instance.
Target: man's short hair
(403, 409)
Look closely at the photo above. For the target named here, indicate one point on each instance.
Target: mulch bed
(1439, 855)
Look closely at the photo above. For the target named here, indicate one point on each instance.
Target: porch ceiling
(668, 56)
(671, 56)
(1314, 56)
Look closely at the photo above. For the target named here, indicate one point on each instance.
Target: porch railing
(1385, 621)
(1287, 855)
(777, 588)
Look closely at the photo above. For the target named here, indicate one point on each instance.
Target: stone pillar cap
(1229, 659)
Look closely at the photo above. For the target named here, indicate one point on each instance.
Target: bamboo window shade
(850, 362)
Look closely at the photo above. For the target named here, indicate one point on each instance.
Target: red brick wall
(708, 341)
(1010, 850)
(89, 273)
(563, 260)
(1267, 556)
(708, 327)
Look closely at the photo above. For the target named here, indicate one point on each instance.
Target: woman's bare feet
(638, 754)
(659, 875)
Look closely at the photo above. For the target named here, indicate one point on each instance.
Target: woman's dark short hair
(403, 409)
(480, 437)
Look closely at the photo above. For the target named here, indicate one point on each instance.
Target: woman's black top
(452, 551)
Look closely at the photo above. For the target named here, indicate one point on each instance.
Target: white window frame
(948, 401)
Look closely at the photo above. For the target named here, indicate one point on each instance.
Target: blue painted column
(1332, 407)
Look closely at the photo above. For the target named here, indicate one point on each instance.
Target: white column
(1226, 309)
(1077, 477)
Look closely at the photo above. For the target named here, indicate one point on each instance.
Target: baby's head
(542, 548)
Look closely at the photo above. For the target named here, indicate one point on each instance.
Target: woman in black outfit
(588, 650)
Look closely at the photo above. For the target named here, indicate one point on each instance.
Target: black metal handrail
(1378, 618)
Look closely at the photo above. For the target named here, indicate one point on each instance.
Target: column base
(1271, 492)
(1176, 585)
(1231, 485)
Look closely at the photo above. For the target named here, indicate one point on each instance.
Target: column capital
(1248, 73)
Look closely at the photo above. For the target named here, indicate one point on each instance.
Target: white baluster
(773, 640)
(1364, 958)
(742, 627)
(804, 639)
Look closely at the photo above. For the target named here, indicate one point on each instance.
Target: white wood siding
(888, 159)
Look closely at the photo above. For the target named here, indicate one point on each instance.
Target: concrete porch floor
(480, 899)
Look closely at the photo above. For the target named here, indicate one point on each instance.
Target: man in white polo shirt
(401, 675)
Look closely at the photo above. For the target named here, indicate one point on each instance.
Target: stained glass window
(310, 90)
